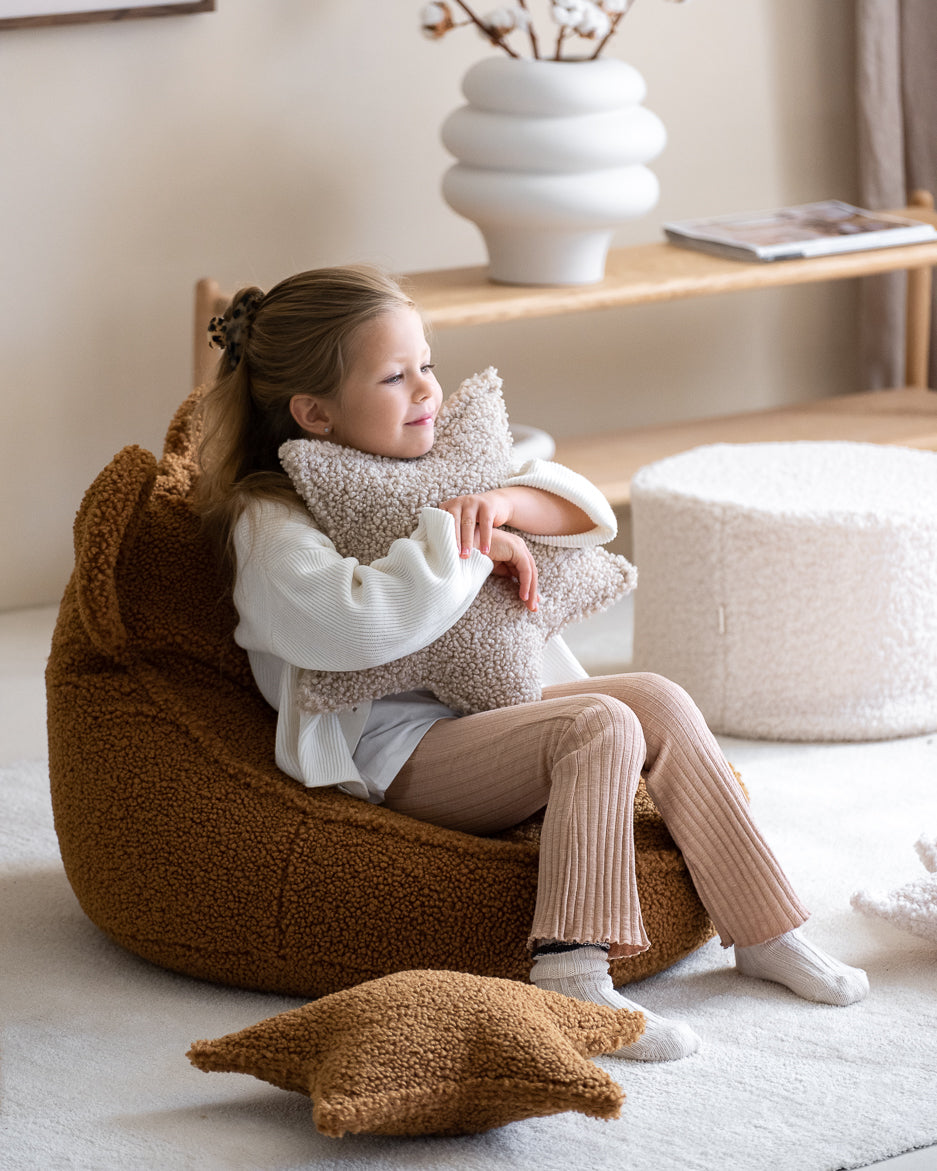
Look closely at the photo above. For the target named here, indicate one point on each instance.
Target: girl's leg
(735, 873)
(581, 757)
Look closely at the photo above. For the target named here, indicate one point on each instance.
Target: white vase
(551, 161)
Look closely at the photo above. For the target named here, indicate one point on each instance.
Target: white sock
(583, 974)
(802, 967)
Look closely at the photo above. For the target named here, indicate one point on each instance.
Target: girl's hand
(476, 517)
(532, 510)
(477, 520)
(513, 559)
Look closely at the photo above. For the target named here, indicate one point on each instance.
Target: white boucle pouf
(791, 588)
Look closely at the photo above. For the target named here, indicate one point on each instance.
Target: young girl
(340, 356)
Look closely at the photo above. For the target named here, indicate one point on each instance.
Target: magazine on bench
(790, 233)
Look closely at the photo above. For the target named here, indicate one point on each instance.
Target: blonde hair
(295, 339)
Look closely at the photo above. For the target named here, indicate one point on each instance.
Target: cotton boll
(567, 13)
(501, 21)
(436, 19)
(593, 23)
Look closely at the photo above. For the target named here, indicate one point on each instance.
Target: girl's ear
(310, 414)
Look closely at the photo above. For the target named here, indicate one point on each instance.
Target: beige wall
(269, 137)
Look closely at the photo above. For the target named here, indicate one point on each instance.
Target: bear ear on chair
(106, 521)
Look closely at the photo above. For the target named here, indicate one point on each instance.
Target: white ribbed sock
(802, 967)
(583, 974)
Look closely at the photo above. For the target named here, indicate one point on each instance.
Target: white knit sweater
(302, 605)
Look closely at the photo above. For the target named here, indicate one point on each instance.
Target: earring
(326, 430)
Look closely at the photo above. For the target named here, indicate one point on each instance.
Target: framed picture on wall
(23, 13)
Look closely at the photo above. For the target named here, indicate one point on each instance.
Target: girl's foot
(802, 967)
(583, 974)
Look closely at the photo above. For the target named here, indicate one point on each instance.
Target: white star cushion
(493, 656)
(912, 907)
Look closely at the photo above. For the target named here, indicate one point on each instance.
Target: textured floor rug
(94, 1071)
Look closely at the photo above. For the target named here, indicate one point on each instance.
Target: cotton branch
(495, 40)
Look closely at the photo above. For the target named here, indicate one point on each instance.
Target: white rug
(95, 1076)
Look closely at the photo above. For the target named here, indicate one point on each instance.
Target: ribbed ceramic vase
(551, 160)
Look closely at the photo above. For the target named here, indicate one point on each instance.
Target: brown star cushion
(493, 656)
(431, 1052)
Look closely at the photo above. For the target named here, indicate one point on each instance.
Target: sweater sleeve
(299, 599)
(562, 481)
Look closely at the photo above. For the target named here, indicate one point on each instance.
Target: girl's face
(389, 400)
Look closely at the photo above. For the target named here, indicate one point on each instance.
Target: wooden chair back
(210, 302)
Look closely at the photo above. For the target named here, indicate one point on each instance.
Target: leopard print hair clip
(229, 332)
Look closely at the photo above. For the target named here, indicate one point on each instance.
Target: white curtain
(897, 102)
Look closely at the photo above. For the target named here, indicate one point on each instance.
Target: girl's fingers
(513, 559)
(484, 532)
(466, 533)
(465, 528)
(532, 597)
(527, 579)
(476, 518)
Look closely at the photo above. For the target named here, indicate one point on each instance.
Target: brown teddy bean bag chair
(185, 843)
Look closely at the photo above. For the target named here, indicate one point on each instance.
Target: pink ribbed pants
(579, 754)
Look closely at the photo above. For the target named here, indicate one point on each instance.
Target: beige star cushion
(431, 1052)
(493, 656)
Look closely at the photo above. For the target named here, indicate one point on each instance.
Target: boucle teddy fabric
(912, 907)
(185, 843)
(790, 586)
(433, 1053)
(493, 656)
